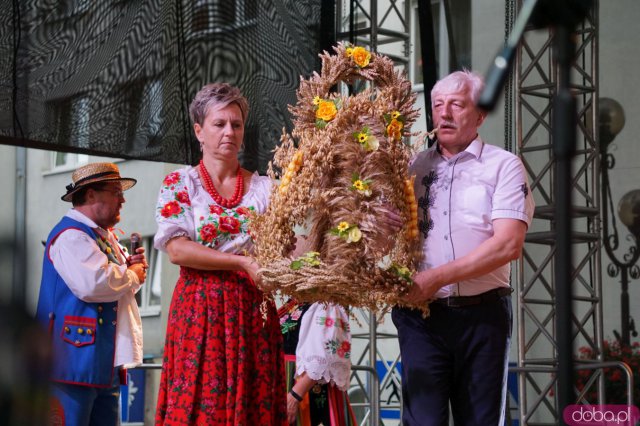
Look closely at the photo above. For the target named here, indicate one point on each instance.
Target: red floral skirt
(222, 362)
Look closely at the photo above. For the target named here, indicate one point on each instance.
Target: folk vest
(83, 334)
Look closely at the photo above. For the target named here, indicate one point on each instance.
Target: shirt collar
(82, 218)
(474, 148)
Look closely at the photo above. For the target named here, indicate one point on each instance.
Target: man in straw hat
(87, 300)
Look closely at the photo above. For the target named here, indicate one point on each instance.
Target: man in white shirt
(475, 206)
(87, 300)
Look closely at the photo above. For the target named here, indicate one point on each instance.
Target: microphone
(135, 242)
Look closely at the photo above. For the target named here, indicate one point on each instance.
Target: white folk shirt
(458, 198)
(91, 278)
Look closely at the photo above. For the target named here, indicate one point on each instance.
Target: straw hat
(94, 173)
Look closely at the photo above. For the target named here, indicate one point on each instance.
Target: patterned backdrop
(115, 77)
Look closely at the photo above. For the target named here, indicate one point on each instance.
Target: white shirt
(458, 198)
(92, 278)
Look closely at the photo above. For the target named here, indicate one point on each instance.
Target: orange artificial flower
(361, 56)
(394, 129)
(326, 110)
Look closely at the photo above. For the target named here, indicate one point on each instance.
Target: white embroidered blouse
(185, 208)
(324, 345)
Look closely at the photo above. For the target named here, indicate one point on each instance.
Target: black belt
(460, 301)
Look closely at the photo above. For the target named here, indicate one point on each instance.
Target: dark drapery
(115, 77)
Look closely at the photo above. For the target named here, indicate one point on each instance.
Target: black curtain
(115, 77)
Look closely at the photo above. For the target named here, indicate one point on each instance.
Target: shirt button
(444, 213)
(100, 308)
(100, 321)
(113, 323)
(446, 237)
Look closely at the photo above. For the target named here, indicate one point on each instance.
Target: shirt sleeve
(324, 345)
(174, 214)
(512, 198)
(87, 271)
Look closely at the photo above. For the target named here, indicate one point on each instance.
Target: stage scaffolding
(528, 112)
(535, 85)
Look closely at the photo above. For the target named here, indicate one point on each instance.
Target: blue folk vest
(83, 334)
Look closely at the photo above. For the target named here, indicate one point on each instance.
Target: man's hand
(140, 269)
(390, 222)
(138, 257)
(391, 219)
(138, 264)
(423, 289)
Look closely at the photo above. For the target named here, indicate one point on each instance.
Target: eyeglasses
(118, 193)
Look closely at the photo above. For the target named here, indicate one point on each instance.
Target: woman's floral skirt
(222, 361)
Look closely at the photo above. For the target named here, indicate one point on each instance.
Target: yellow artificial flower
(354, 235)
(362, 137)
(359, 185)
(361, 56)
(349, 51)
(395, 115)
(343, 226)
(317, 100)
(326, 110)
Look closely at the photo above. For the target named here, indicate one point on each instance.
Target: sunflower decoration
(355, 166)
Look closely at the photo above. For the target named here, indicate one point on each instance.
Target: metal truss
(535, 86)
(383, 26)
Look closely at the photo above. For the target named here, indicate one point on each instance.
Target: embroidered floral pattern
(338, 347)
(217, 226)
(425, 224)
(289, 319)
(171, 209)
(223, 225)
(331, 322)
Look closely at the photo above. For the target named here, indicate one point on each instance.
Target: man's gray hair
(458, 81)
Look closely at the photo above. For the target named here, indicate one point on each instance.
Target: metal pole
(19, 287)
(624, 307)
(564, 141)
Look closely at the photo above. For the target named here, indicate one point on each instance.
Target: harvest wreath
(343, 164)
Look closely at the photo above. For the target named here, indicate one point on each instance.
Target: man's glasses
(116, 192)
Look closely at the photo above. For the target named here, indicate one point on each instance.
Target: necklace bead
(211, 189)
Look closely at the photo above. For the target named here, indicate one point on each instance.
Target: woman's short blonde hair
(216, 95)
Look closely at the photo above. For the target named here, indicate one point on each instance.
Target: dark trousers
(456, 356)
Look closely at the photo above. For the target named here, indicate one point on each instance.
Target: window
(460, 21)
(61, 161)
(222, 15)
(150, 295)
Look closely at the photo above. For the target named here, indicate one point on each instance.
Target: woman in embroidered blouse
(222, 362)
(317, 345)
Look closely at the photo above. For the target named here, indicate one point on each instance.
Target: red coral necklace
(211, 189)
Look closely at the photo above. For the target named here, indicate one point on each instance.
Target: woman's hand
(251, 267)
(292, 408)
